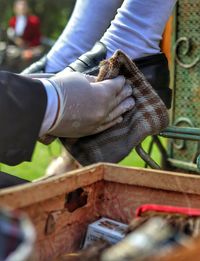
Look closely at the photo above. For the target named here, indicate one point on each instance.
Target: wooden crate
(61, 217)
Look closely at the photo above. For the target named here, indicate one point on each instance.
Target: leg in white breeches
(138, 27)
(88, 23)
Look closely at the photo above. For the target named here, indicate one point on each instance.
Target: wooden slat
(21, 196)
(24, 195)
(70, 227)
(120, 201)
(171, 181)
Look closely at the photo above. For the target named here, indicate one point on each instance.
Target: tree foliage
(54, 14)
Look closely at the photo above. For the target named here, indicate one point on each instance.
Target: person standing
(24, 28)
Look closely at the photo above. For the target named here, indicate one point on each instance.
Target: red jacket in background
(32, 31)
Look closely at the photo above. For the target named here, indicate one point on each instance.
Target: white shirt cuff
(51, 109)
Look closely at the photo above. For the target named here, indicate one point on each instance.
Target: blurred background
(52, 17)
(53, 14)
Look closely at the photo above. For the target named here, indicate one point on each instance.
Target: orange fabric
(167, 39)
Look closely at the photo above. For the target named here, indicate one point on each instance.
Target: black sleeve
(22, 107)
(7, 180)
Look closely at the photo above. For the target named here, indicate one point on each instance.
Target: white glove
(87, 107)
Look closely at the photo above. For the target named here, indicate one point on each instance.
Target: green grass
(44, 154)
(35, 169)
(134, 160)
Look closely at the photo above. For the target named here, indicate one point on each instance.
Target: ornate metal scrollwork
(181, 144)
(187, 42)
(198, 162)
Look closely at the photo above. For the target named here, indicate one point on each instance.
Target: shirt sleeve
(51, 109)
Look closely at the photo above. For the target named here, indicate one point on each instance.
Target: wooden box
(62, 207)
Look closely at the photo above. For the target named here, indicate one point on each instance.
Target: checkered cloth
(148, 117)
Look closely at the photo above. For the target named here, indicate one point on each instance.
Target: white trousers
(137, 27)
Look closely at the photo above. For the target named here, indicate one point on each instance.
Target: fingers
(112, 87)
(124, 106)
(125, 93)
(111, 98)
(108, 125)
(115, 117)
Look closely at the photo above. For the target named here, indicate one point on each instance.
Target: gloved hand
(37, 67)
(87, 107)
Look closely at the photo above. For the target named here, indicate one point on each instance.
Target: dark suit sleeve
(22, 108)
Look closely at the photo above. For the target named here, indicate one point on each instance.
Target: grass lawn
(44, 154)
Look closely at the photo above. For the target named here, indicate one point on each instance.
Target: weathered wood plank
(172, 181)
(113, 191)
(21, 196)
